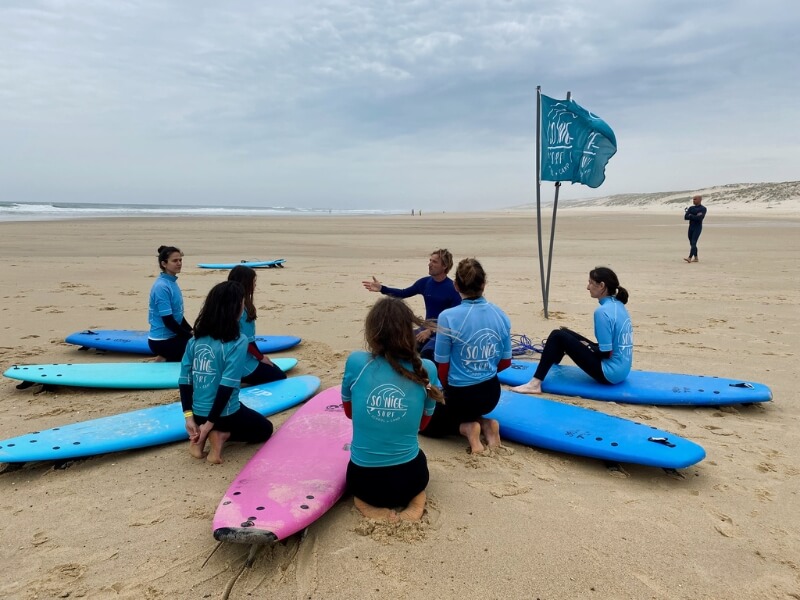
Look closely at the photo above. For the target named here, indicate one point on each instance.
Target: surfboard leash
(521, 345)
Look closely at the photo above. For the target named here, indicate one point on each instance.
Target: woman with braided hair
(389, 393)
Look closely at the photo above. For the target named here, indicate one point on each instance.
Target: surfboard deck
(142, 428)
(135, 342)
(253, 264)
(293, 479)
(123, 375)
(543, 423)
(641, 387)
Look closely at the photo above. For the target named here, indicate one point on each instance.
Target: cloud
(389, 103)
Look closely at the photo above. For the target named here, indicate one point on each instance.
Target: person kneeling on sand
(389, 393)
(211, 374)
(473, 344)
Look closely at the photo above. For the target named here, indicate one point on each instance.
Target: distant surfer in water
(211, 374)
(389, 392)
(473, 344)
(169, 330)
(437, 290)
(608, 360)
(258, 368)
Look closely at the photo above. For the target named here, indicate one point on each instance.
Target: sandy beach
(524, 523)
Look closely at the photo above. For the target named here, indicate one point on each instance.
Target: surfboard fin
(742, 384)
(661, 440)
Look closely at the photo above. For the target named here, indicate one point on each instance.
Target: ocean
(19, 211)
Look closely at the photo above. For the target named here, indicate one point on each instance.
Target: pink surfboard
(293, 479)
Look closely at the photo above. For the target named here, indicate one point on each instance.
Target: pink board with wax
(293, 479)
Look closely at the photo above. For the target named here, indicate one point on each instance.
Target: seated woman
(473, 344)
(169, 330)
(258, 368)
(211, 373)
(607, 361)
(389, 393)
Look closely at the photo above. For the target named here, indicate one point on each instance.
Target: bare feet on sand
(196, 451)
(491, 431)
(534, 386)
(217, 440)
(472, 431)
(373, 512)
(415, 508)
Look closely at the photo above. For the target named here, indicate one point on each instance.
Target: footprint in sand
(724, 524)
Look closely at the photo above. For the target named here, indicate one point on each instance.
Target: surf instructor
(436, 289)
(169, 330)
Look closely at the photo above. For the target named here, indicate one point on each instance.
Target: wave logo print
(625, 339)
(479, 351)
(203, 366)
(386, 403)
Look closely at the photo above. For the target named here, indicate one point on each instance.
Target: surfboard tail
(244, 535)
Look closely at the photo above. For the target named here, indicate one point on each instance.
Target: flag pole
(552, 236)
(539, 193)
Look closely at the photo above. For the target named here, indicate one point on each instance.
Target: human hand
(203, 432)
(192, 429)
(424, 335)
(373, 286)
(267, 361)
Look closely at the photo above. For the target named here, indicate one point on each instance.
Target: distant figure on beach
(473, 344)
(169, 330)
(210, 377)
(258, 368)
(608, 360)
(389, 392)
(695, 215)
(437, 290)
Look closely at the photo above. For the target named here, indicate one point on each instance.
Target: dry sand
(521, 524)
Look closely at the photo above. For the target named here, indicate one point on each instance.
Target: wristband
(188, 414)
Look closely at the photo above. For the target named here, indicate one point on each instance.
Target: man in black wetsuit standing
(695, 215)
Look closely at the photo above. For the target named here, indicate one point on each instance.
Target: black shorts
(389, 487)
(245, 425)
(463, 405)
(171, 349)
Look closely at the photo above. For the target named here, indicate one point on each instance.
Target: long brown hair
(247, 277)
(389, 331)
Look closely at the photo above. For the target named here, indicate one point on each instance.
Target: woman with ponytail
(608, 360)
(389, 392)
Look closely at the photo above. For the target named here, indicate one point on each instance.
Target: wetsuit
(695, 216)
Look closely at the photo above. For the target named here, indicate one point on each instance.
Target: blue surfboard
(641, 387)
(253, 264)
(132, 376)
(135, 342)
(542, 423)
(142, 428)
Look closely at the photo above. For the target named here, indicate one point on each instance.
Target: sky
(385, 105)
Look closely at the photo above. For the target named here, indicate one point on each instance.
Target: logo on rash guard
(478, 354)
(386, 403)
(203, 366)
(625, 339)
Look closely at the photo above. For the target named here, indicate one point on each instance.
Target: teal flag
(576, 144)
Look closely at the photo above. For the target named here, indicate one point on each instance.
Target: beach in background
(522, 523)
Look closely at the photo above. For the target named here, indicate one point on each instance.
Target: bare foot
(217, 439)
(491, 431)
(415, 508)
(472, 431)
(196, 451)
(695, 259)
(159, 359)
(534, 386)
(688, 260)
(373, 512)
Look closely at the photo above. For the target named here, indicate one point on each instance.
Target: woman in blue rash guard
(211, 373)
(258, 368)
(607, 361)
(389, 392)
(169, 330)
(473, 343)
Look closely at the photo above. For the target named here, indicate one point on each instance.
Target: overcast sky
(394, 105)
